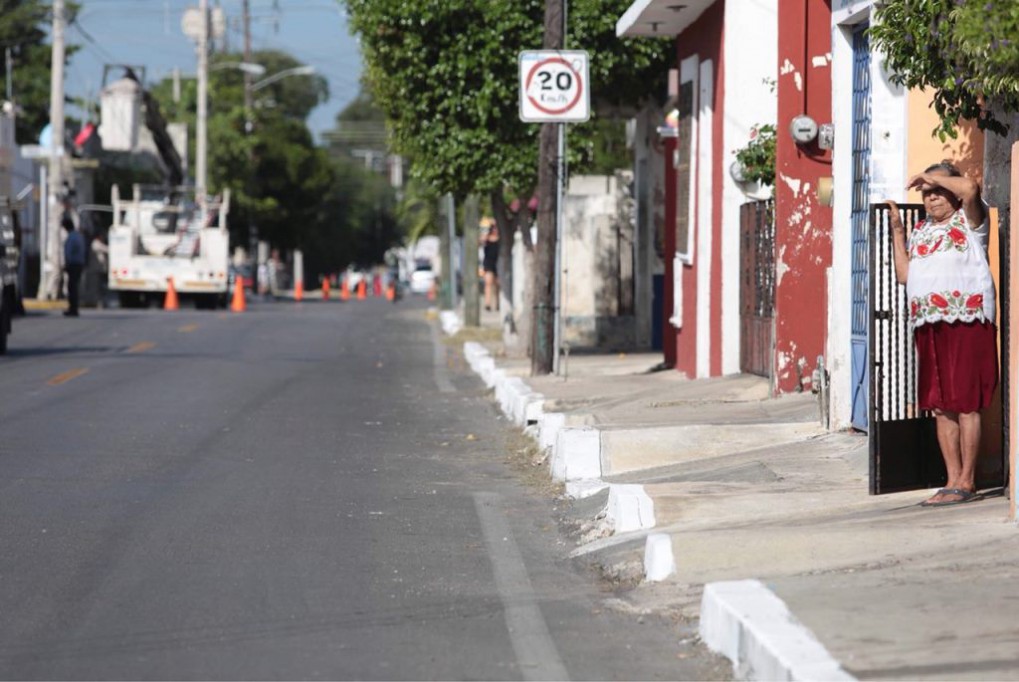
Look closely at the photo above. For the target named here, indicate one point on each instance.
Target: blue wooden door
(860, 222)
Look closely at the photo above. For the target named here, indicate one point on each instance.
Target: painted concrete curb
(578, 490)
(659, 562)
(629, 508)
(577, 454)
(747, 623)
(450, 322)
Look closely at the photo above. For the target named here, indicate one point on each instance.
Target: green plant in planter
(757, 158)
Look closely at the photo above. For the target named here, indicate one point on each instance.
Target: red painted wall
(704, 39)
(802, 226)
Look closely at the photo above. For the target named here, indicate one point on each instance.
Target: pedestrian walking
(490, 265)
(75, 257)
(952, 308)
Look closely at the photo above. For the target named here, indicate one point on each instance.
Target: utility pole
(545, 275)
(253, 246)
(447, 247)
(472, 303)
(201, 132)
(246, 18)
(49, 282)
(9, 64)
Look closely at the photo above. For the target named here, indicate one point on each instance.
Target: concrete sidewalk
(742, 511)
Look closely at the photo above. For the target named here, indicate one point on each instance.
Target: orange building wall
(925, 148)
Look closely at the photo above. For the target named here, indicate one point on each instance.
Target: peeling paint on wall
(793, 183)
(780, 266)
(820, 61)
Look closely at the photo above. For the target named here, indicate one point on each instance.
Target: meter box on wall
(120, 114)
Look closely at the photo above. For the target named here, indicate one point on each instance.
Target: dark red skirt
(958, 365)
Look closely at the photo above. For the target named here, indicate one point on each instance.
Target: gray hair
(946, 166)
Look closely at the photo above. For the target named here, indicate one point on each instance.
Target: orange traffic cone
(238, 305)
(298, 290)
(325, 289)
(431, 292)
(170, 302)
(362, 290)
(344, 290)
(391, 291)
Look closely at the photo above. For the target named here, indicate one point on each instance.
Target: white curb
(534, 409)
(577, 454)
(526, 404)
(473, 352)
(549, 425)
(746, 622)
(494, 377)
(629, 508)
(450, 322)
(578, 490)
(508, 391)
(484, 367)
(659, 562)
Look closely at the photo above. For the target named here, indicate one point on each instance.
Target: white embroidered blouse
(949, 279)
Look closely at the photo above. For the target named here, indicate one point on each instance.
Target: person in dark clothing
(75, 256)
(490, 266)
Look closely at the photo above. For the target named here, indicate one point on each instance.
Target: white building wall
(749, 101)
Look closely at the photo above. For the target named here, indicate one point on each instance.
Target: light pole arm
(295, 71)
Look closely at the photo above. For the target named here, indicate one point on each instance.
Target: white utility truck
(161, 234)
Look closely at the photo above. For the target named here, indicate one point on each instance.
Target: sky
(148, 32)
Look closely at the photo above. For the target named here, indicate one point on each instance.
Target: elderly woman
(951, 306)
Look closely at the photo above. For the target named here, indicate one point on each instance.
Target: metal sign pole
(558, 279)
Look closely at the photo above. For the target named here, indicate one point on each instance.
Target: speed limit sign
(554, 86)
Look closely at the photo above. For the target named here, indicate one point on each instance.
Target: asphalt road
(303, 491)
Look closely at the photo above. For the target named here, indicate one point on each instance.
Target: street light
(305, 70)
(247, 67)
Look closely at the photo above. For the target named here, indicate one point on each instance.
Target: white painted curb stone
(578, 490)
(629, 508)
(549, 425)
(522, 406)
(659, 562)
(484, 367)
(507, 391)
(450, 322)
(747, 623)
(473, 352)
(535, 409)
(494, 377)
(577, 454)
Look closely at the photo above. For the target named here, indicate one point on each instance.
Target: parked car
(423, 278)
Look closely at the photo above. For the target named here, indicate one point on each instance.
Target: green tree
(967, 52)
(24, 28)
(444, 72)
(276, 174)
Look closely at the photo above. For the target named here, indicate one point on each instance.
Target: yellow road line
(35, 304)
(64, 377)
(188, 328)
(141, 347)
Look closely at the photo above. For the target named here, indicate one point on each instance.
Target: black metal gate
(757, 287)
(904, 452)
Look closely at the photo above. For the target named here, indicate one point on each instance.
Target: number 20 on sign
(554, 86)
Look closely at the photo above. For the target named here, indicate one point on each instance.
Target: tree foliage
(24, 28)
(967, 52)
(444, 72)
(281, 182)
